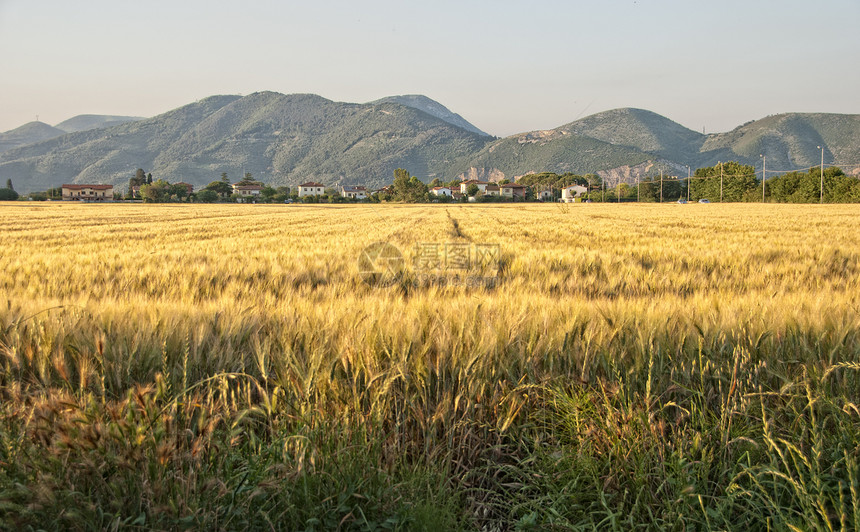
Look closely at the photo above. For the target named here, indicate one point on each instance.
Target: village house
(247, 191)
(482, 185)
(441, 191)
(513, 191)
(544, 195)
(572, 193)
(188, 187)
(492, 190)
(311, 188)
(353, 192)
(88, 192)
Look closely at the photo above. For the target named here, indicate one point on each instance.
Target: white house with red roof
(247, 191)
(482, 185)
(441, 191)
(352, 192)
(311, 188)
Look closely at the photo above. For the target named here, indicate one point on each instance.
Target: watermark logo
(381, 264)
(433, 264)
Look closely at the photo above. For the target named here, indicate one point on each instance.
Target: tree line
(736, 182)
(727, 182)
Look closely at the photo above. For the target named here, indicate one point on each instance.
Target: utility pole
(822, 174)
(763, 174)
(721, 182)
(661, 186)
(688, 182)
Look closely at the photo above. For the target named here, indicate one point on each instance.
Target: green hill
(85, 122)
(280, 139)
(790, 140)
(29, 133)
(622, 144)
(619, 144)
(287, 139)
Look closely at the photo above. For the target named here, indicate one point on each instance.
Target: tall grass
(681, 367)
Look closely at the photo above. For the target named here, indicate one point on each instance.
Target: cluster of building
(512, 191)
(509, 190)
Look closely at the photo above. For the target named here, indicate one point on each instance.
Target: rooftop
(94, 187)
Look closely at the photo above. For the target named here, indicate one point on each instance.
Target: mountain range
(33, 132)
(288, 139)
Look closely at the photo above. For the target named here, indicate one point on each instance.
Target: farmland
(228, 367)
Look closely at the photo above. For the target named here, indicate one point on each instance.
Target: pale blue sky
(506, 66)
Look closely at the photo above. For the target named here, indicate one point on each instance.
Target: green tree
(180, 191)
(268, 193)
(222, 188)
(408, 188)
(249, 180)
(156, 192)
(737, 180)
(224, 178)
(7, 194)
(805, 187)
(136, 181)
(472, 190)
(9, 184)
(207, 196)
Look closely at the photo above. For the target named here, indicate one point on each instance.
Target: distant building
(482, 185)
(492, 190)
(188, 187)
(544, 195)
(513, 191)
(88, 192)
(311, 188)
(353, 192)
(569, 194)
(441, 191)
(247, 191)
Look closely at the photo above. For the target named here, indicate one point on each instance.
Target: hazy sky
(506, 66)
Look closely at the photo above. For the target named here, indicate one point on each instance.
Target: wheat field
(627, 367)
